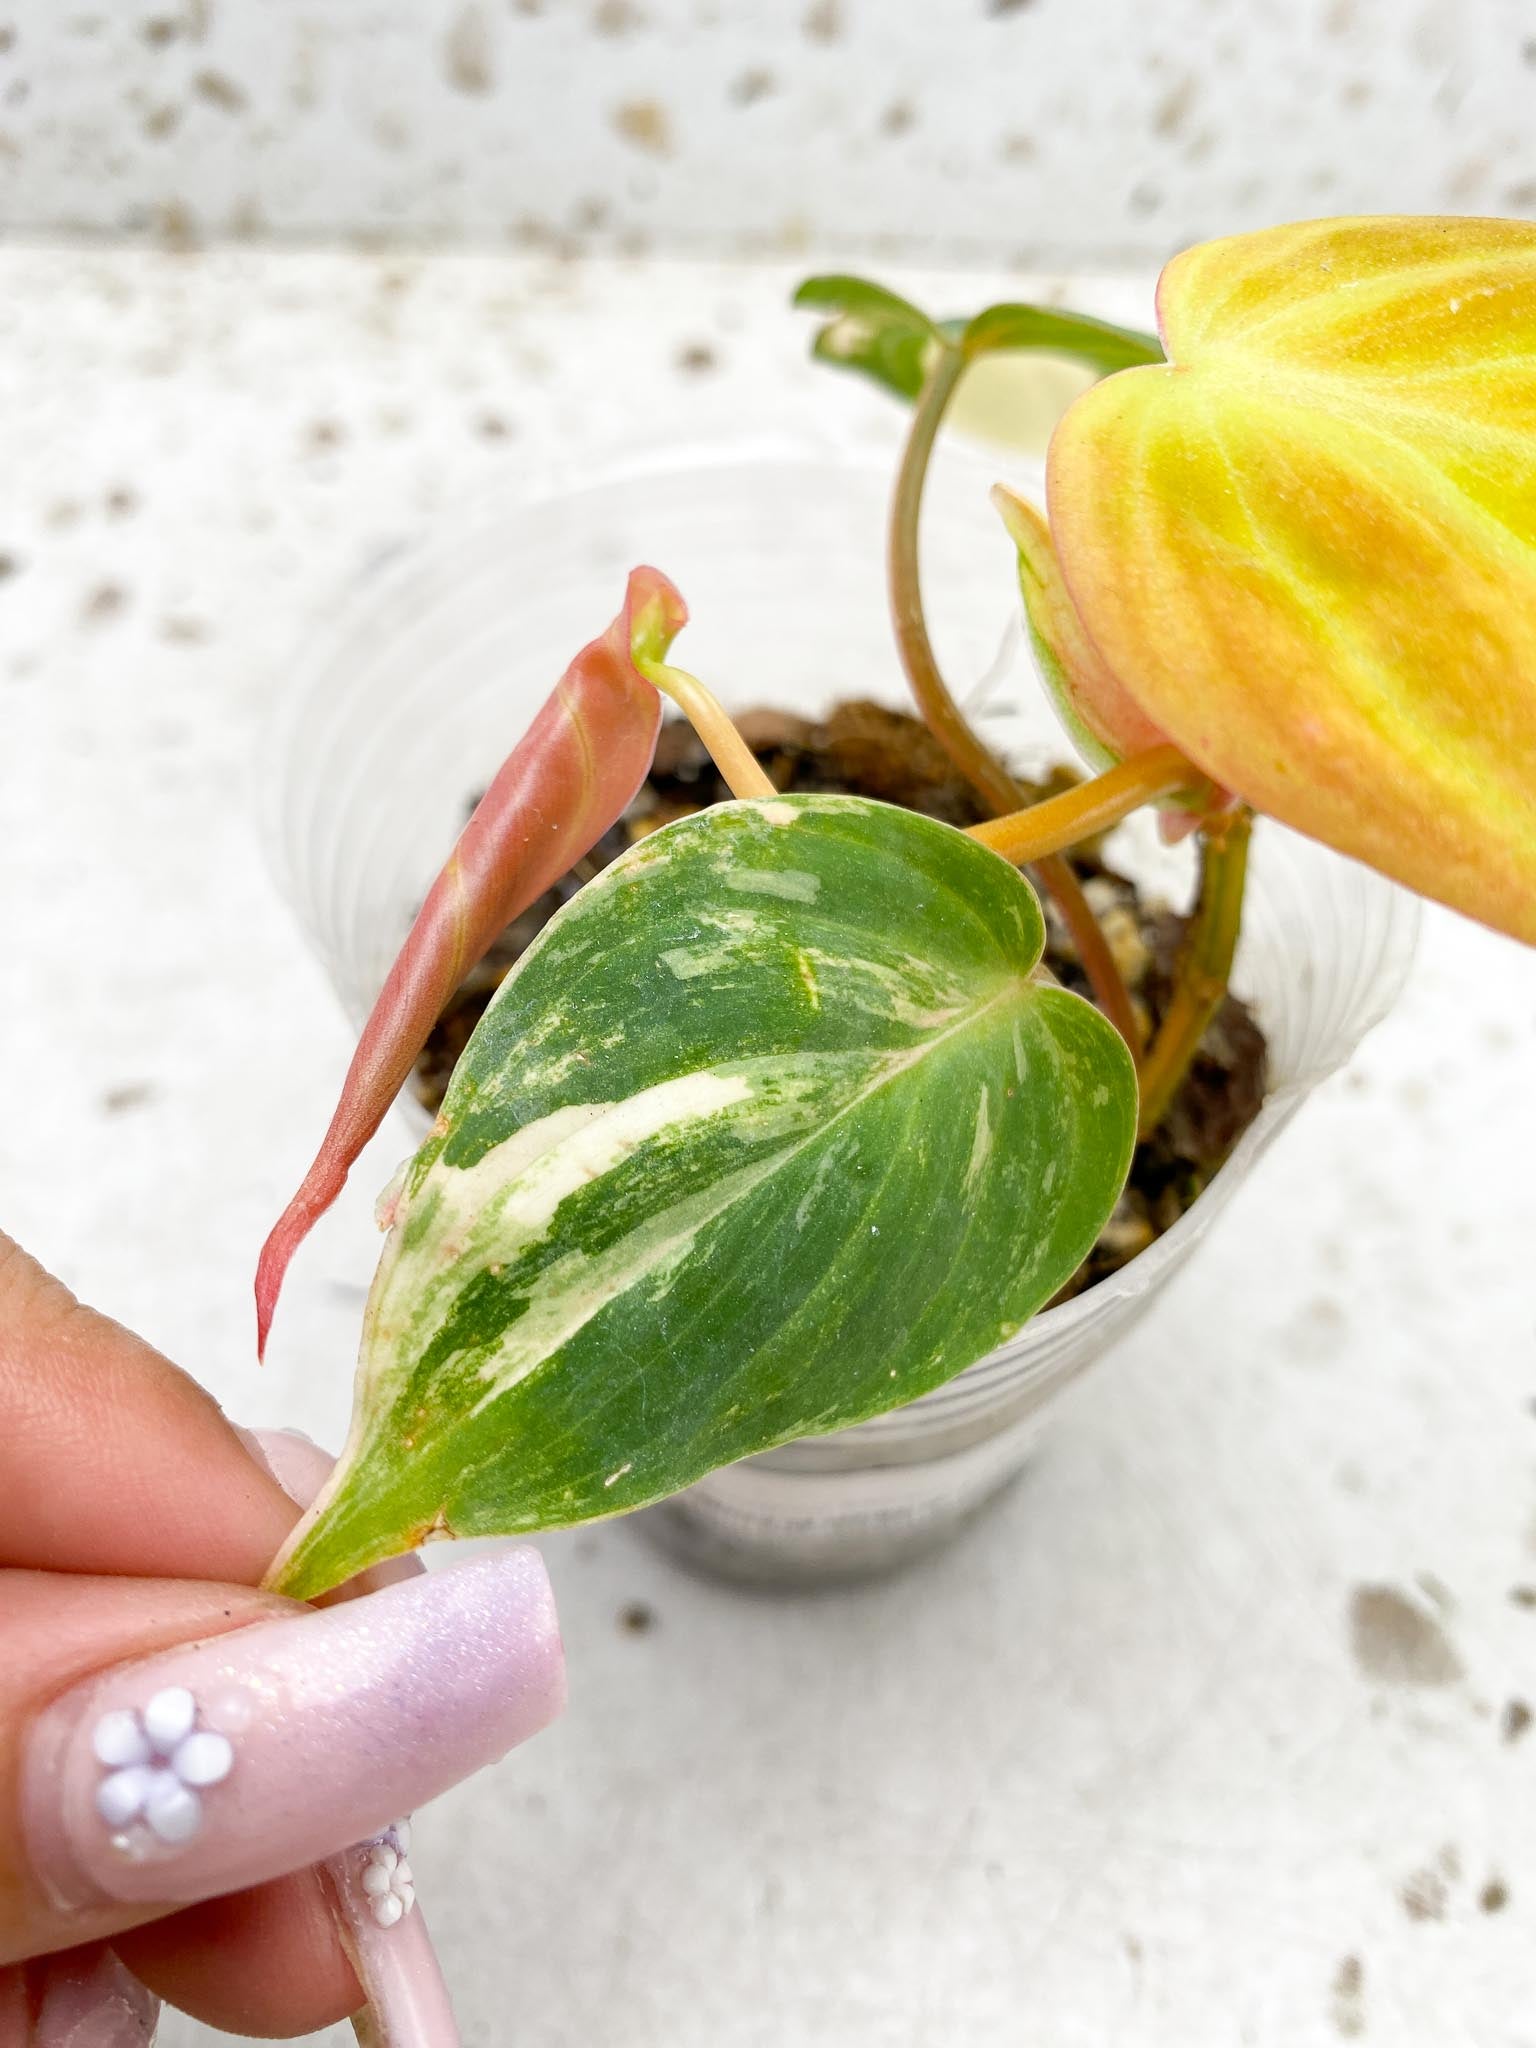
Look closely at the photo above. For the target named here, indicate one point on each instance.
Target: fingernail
(292, 1458)
(222, 1764)
(371, 1887)
(301, 1468)
(91, 2001)
(388, 1943)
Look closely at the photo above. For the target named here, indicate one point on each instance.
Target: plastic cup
(435, 662)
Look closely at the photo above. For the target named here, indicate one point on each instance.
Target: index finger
(112, 1460)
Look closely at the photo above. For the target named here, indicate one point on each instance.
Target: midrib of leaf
(960, 907)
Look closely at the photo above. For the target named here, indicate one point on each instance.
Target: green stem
(1204, 964)
(947, 722)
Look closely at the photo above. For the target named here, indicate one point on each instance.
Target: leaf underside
(771, 1129)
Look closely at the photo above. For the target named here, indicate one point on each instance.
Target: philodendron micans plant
(779, 1123)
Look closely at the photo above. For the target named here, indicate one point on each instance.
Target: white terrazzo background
(1025, 131)
(1211, 1735)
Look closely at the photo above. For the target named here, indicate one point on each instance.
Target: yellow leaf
(1306, 545)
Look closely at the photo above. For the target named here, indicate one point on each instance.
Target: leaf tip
(270, 1268)
(314, 1197)
(654, 613)
(1026, 529)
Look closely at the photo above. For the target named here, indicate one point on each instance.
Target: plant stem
(1038, 834)
(945, 720)
(709, 718)
(1205, 962)
(1058, 875)
(943, 716)
(1077, 814)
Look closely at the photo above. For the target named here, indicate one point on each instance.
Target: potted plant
(776, 1126)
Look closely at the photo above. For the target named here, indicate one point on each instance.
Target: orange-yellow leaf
(1307, 544)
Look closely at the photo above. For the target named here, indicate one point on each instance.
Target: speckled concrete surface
(1009, 130)
(1214, 1733)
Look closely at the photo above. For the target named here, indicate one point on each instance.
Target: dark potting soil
(866, 750)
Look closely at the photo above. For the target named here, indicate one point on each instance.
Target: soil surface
(867, 750)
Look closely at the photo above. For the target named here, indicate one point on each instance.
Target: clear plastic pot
(433, 665)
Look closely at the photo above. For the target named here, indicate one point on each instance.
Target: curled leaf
(1307, 546)
(1103, 720)
(567, 780)
(772, 1128)
(884, 337)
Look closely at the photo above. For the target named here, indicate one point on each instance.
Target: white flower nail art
(158, 1763)
(386, 1878)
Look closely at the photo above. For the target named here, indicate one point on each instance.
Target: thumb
(277, 1736)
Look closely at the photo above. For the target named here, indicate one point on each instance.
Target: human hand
(225, 1869)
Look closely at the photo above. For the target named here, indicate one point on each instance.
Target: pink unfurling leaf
(565, 783)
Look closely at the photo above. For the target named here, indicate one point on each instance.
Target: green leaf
(1095, 342)
(888, 339)
(840, 292)
(773, 1127)
(873, 331)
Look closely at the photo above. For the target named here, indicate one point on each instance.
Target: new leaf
(567, 780)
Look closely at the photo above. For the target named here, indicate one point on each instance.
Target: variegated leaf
(772, 1128)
